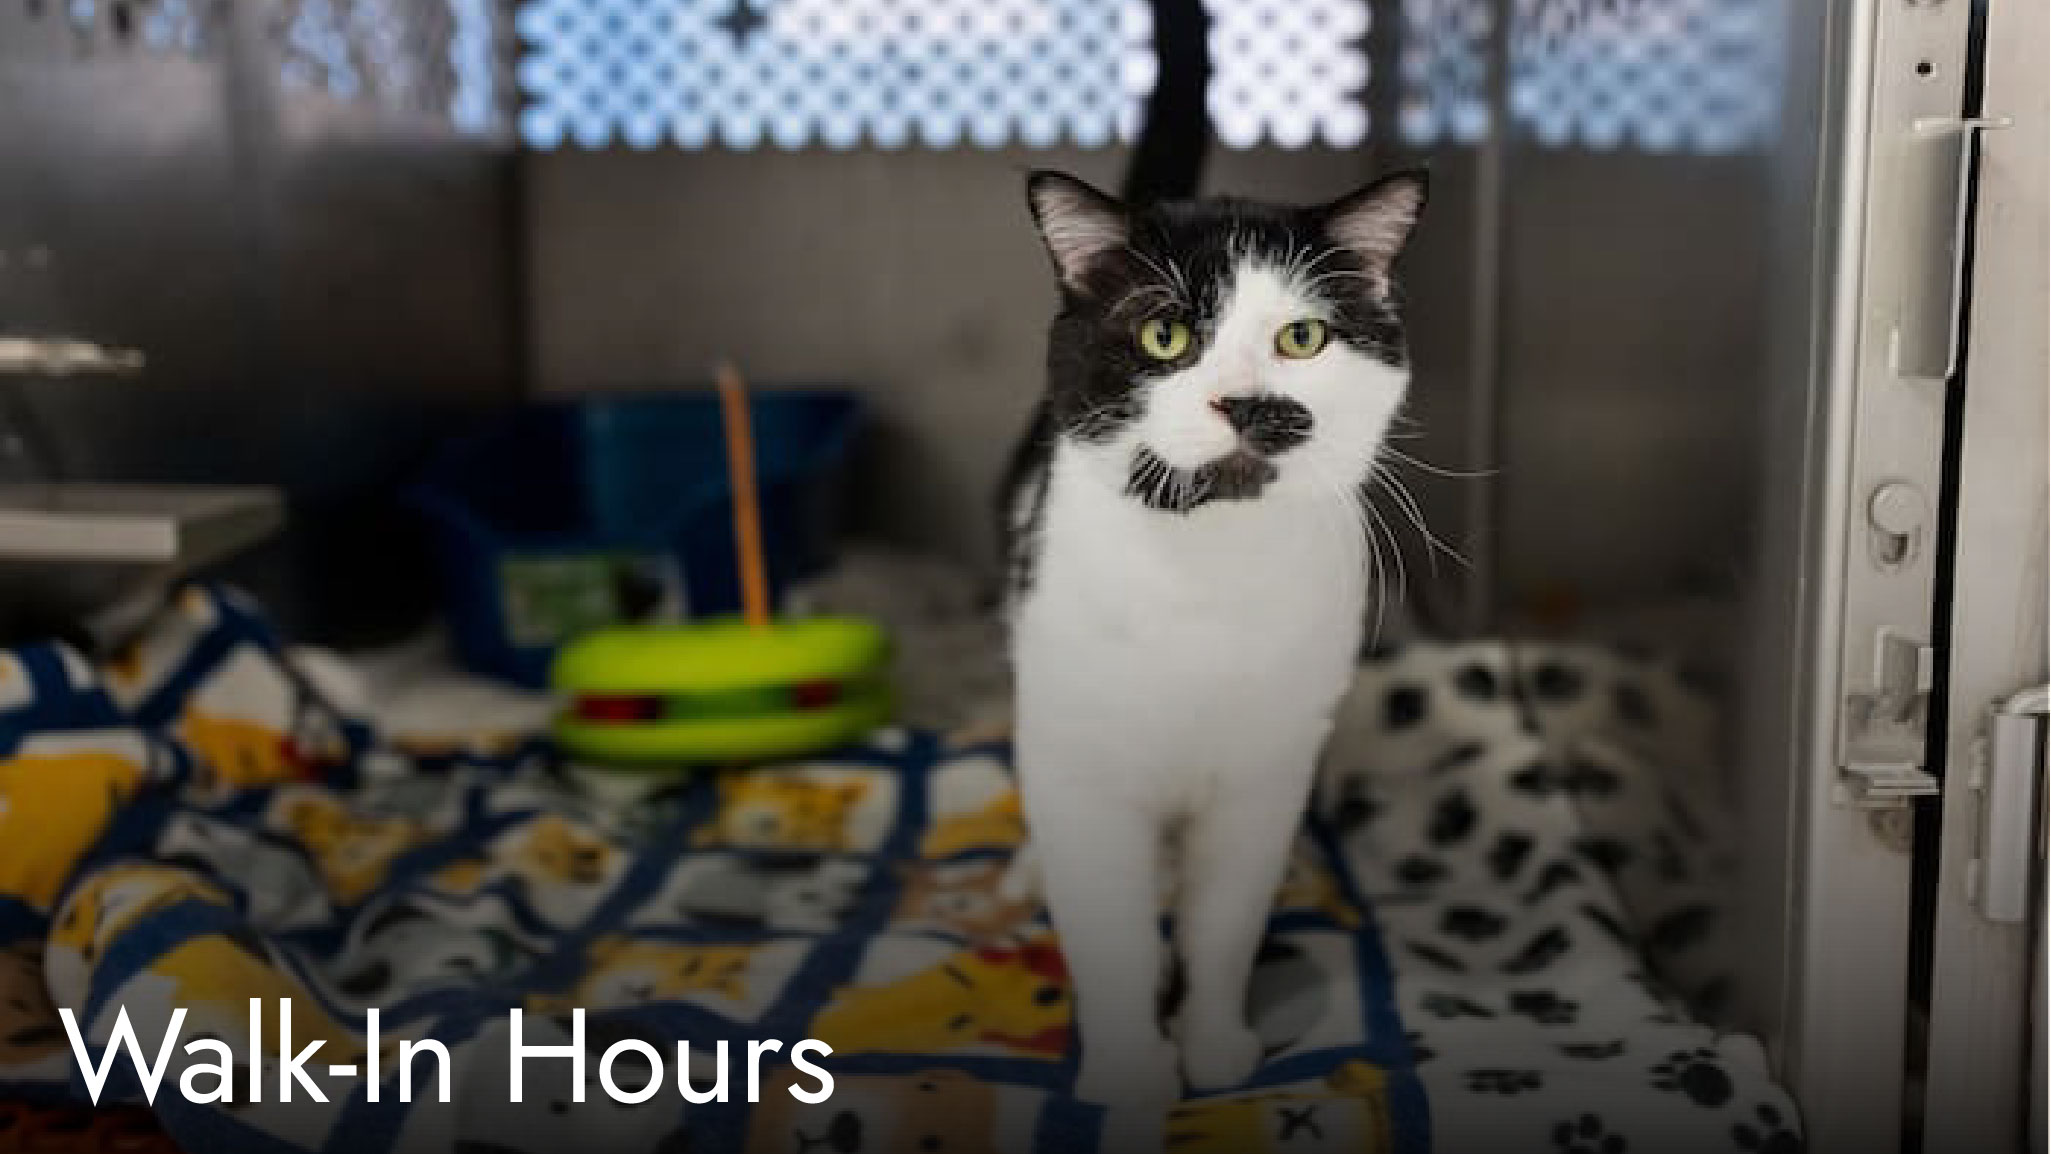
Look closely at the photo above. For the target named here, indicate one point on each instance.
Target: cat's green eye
(1163, 339)
(1301, 340)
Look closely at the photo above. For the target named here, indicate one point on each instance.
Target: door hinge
(2006, 773)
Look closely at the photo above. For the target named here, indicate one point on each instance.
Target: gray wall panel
(914, 275)
(317, 285)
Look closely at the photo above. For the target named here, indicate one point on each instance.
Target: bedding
(1449, 967)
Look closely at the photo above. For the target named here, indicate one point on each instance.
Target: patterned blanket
(192, 825)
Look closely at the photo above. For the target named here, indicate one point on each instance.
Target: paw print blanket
(191, 826)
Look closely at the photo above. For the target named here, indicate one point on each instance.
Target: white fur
(1177, 675)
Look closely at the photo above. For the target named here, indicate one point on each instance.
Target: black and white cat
(1188, 582)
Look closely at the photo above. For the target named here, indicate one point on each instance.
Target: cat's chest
(1259, 592)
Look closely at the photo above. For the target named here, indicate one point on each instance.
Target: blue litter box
(564, 517)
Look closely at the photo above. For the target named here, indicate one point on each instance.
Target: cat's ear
(1375, 221)
(1079, 224)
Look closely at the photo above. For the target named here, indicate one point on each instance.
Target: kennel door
(1988, 907)
(1867, 204)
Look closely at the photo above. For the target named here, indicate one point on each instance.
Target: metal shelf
(176, 525)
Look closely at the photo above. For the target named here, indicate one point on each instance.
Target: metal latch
(1935, 187)
(2006, 774)
(1884, 726)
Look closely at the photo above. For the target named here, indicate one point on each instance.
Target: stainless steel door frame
(1978, 1078)
(1845, 582)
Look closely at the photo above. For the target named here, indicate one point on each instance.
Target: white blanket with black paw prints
(1536, 827)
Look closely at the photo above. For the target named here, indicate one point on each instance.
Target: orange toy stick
(740, 469)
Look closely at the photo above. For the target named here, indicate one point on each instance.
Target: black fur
(1022, 499)
(1239, 477)
(1184, 252)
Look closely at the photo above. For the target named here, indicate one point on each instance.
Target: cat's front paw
(1219, 1057)
(1140, 1078)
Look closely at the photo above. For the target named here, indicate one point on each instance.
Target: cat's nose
(1268, 424)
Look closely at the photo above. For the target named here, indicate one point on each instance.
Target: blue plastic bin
(566, 516)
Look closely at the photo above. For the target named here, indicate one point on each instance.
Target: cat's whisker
(1295, 268)
(1370, 523)
(1339, 274)
(1171, 276)
(1377, 589)
(1370, 559)
(1301, 269)
(1348, 495)
(1152, 292)
(1322, 257)
(1342, 273)
(1378, 585)
(1437, 470)
(1089, 417)
(1410, 426)
(1414, 513)
(1431, 557)
(1407, 501)
(1396, 558)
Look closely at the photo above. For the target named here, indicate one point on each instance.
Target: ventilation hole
(800, 73)
(1685, 76)
(1925, 68)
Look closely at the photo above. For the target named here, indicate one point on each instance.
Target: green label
(551, 597)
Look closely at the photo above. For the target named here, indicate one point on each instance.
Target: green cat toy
(752, 688)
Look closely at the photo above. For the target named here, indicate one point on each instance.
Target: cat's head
(1219, 350)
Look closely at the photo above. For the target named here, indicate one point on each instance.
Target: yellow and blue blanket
(191, 825)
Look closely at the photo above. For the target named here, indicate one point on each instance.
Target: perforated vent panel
(433, 61)
(1443, 70)
(1652, 75)
(191, 27)
(57, 30)
(436, 58)
(1288, 71)
(934, 73)
(1658, 75)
